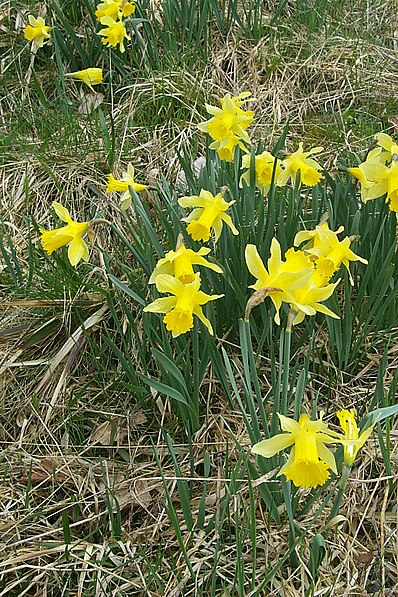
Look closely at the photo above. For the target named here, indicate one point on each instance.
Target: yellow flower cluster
(228, 125)
(378, 174)
(302, 279)
(110, 13)
(227, 128)
(310, 460)
(174, 275)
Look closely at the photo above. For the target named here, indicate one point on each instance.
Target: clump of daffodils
(174, 274)
(110, 14)
(310, 460)
(302, 278)
(378, 174)
(228, 125)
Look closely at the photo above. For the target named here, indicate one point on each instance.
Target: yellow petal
(273, 445)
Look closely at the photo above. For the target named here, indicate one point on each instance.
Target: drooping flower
(116, 9)
(185, 302)
(71, 234)
(123, 185)
(351, 432)
(281, 275)
(325, 243)
(309, 460)
(300, 161)
(228, 125)
(179, 264)
(37, 31)
(209, 213)
(378, 157)
(264, 166)
(89, 76)
(114, 33)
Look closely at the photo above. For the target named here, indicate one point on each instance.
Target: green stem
(342, 485)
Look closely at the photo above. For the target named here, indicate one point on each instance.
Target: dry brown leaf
(108, 433)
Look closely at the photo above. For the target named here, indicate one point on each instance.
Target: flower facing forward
(209, 213)
(180, 264)
(351, 432)
(310, 460)
(123, 185)
(264, 168)
(116, 9)
(228, 125)
(114, 33)
(300, 161)
(187, 301)
(37, 31)
(71, 234)
(89, 76)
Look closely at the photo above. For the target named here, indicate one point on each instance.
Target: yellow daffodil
(264, 165)
(209, 213)
(351, 432)
(179, 264)
(123, 185)
(375, 156)
(324, 242)
(309, 460)
(116, 9)
(307, 298)
(37, 31)
(300, 161)
(89, 76)
(386, 181)
(71, 234)
(388, 144)
(187, 301)
(281, 275)
(114, 33)
(228, 125)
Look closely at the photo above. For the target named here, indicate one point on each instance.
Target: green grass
(129, 470)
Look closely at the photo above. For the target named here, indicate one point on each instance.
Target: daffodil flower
(386, 181)
(116, 9)
(209, 213)
(187, 301)
(310, 460)
(89, 76)
(324, 242)
(264, 165)
(228, 125)
(71, 234)
(307, 298)
(123, 185)
(37, 31)
(300, 161)
(114, 33)
(351, 432)
(180, 263)
(388, 144)
(281, 276)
